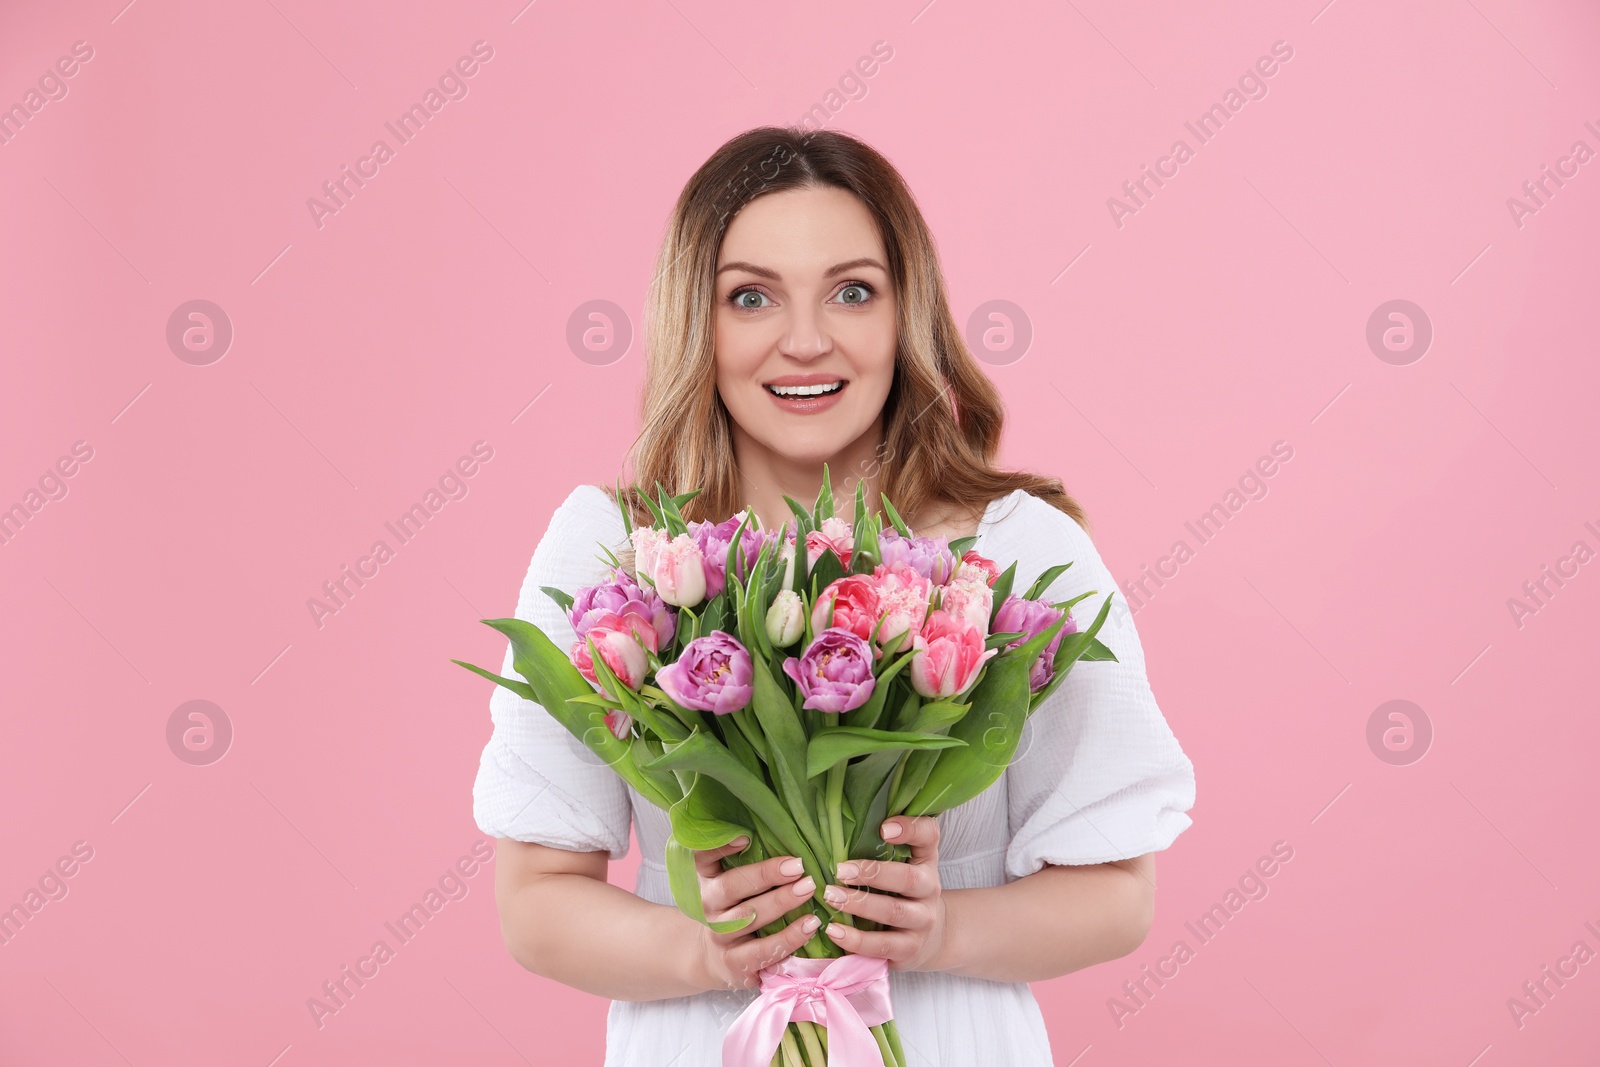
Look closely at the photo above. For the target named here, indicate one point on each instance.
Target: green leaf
(684, 880)
(735, 558)
(561, 597)
(961, 544)
(522, 689)
(991, 729)
(786, 740)
(1002, 589)
(866, 795)
(860, 514)
(1071, 650)
(703, 753)
(1000, 640)
(834, 743)
(1096, 650)
(554, 680)
(1041, 583)
(622, 505)
(599, 700)
(825, 572)
(669, 507)
(824, 508)
(894, 517)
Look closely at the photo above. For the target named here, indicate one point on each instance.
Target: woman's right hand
(770, 888)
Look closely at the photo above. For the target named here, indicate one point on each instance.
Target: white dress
(1098, 777)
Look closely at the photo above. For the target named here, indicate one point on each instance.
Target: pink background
(1168, 354)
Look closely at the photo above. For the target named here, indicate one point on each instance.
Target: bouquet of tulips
(797, 687)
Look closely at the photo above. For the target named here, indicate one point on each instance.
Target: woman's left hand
(914, 915)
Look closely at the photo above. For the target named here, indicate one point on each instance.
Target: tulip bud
(679, 572)
(786, 619)
(786, 553)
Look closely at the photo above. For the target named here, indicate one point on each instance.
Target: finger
(906, 879)
(768, 906)
(727, 888)
(885, 908)
(892, 945)
(921, 832)
(757, 953)
(708, 860)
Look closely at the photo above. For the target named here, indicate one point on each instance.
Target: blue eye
(737, 298)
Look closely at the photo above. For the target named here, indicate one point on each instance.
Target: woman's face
(804, 304)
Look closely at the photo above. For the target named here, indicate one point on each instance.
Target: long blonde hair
(931, 453)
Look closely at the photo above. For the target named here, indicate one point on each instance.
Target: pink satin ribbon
(846, 994)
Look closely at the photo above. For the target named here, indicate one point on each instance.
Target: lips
(806, 397)
(802, 391)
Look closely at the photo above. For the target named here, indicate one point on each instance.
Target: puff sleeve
(536, 782)
(1099, 775)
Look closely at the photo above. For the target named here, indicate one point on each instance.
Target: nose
(806, 336)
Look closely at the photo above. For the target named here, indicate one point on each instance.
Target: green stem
(791, 1051)
(893, 1033)
(808, 1034)
(884, 1048)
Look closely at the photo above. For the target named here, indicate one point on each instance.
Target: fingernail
(803, 887)
(810, 923)
(833, 895)
(891, 830)
(740, 841)
(835, 931)
(791, 867)
(848, 871)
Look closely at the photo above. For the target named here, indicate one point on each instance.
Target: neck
(766, 477)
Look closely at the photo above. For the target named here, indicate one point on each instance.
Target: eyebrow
(837, 268)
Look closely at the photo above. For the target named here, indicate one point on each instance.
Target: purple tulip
(623, 595)
(713, 674)
(835, 671)
(1031, 618)
(713, 540)
(928, 556)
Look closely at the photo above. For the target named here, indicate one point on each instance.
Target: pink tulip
(679, 572)
(981, 567)
(647, 545)
(903, 596)
(619, 649)
(948, 655)
(850, 603)
(836, 535)
(969, 598)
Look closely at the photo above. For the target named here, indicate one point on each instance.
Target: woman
(798, 318)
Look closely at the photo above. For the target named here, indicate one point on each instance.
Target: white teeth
(806, 390)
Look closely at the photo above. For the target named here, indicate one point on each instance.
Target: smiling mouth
(803, 391)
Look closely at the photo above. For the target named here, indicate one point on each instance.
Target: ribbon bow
(846, 994)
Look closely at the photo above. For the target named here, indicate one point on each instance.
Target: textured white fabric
(1099, 776)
